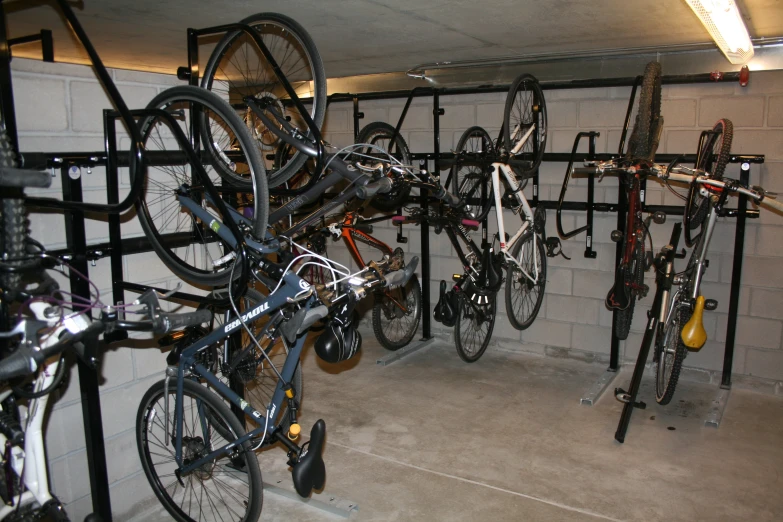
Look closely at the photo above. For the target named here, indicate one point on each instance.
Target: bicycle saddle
(446, 309)
(310, 471)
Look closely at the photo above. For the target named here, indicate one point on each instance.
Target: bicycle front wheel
(186, 244)
(471, 179)
(473, 328)
(643, 142)
(523, 295)
(396, 315)
(713, 158)
(237, 69)
(228, 488)
(671, 356)
(525, 111)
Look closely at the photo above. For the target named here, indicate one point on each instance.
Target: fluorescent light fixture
(724, 23)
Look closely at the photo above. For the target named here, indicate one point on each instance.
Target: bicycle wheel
(396, 315)
(188, 246)
(634, 277)
(228, 488)
(643, 142)
(713, 158)
(243, 365)
(380, 134)
(523, 296)
(469, 179)
(237, 69)
(473, 327)
(13, 222)
(525, 108)
(673, 352)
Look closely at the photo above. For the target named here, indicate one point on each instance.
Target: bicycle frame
(292, 287)
(510, 178)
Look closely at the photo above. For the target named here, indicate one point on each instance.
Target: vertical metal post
(113, 197)
(193, 57)
(76, 239)
(425, 228)
(589, 252)
(622, 209)
(6, 93)
(47, 46)
(736, 276)
(356, 117)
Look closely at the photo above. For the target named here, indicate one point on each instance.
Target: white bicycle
(515, 156)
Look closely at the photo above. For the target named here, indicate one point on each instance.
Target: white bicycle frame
(30, 463)
(511, 180)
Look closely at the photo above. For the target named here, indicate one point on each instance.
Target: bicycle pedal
(710, 304)
(621, 395)
(616, 236)
(643, 292)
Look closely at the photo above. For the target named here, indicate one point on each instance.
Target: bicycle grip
(585, 170)
(380, 186)
(169, 322)
(449, 198)
(19, 363)
(773, 204)
(363, 228)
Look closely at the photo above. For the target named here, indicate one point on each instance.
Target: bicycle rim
(672, 354)
(396, 315)
(237, 69)
(217, 490)
(523, 296)
(469, 179)
(473, 328)
(525, 108)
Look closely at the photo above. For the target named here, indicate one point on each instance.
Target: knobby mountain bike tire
(379, 133)
(237, 69)
(635, 275)
(396, 314)
(185, 244)
(470, 180)
(673, 352)
(525, 107)
(713, 158)
(228, 488)
(643, 142)
(523, 297)
(13, 222)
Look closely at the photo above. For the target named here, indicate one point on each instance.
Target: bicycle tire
(291, 45)
(13, 222)
(380, 133)
(667, 371)
(525, 106)
(466, 321)
(258, 379)
(713, 158)
(517, 284)
(622, 326)
(468, 179)
(159, 209)
(384, 315)
(642, 144)
(159, 467)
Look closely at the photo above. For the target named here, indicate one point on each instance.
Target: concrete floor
(430, 437)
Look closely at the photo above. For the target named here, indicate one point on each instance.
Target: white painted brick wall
(59, 110)
(573, 316)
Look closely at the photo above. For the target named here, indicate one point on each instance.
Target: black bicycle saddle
(310, 472)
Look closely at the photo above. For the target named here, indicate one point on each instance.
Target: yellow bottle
(693, 334)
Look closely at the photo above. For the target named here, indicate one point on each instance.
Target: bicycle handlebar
(380, 186)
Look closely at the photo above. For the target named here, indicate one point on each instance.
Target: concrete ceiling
(358, 37)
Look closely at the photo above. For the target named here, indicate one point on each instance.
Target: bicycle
(524, 135)
(396, 313)
(632, 240)
(679, 325)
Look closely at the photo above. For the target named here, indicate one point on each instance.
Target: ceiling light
(724, 23)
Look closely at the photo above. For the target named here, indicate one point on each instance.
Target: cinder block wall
(573, 320)
(59, 110)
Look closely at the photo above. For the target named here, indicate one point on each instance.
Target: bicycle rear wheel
(380, 134)
(228, 488)
(713, 158)
(523, 296)
(473, 327)
(188, 246)
(643, 142)
(525, 109)
(396, 315)
(470, 179)
(673, 351)
(13, 222)
(237, 69)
